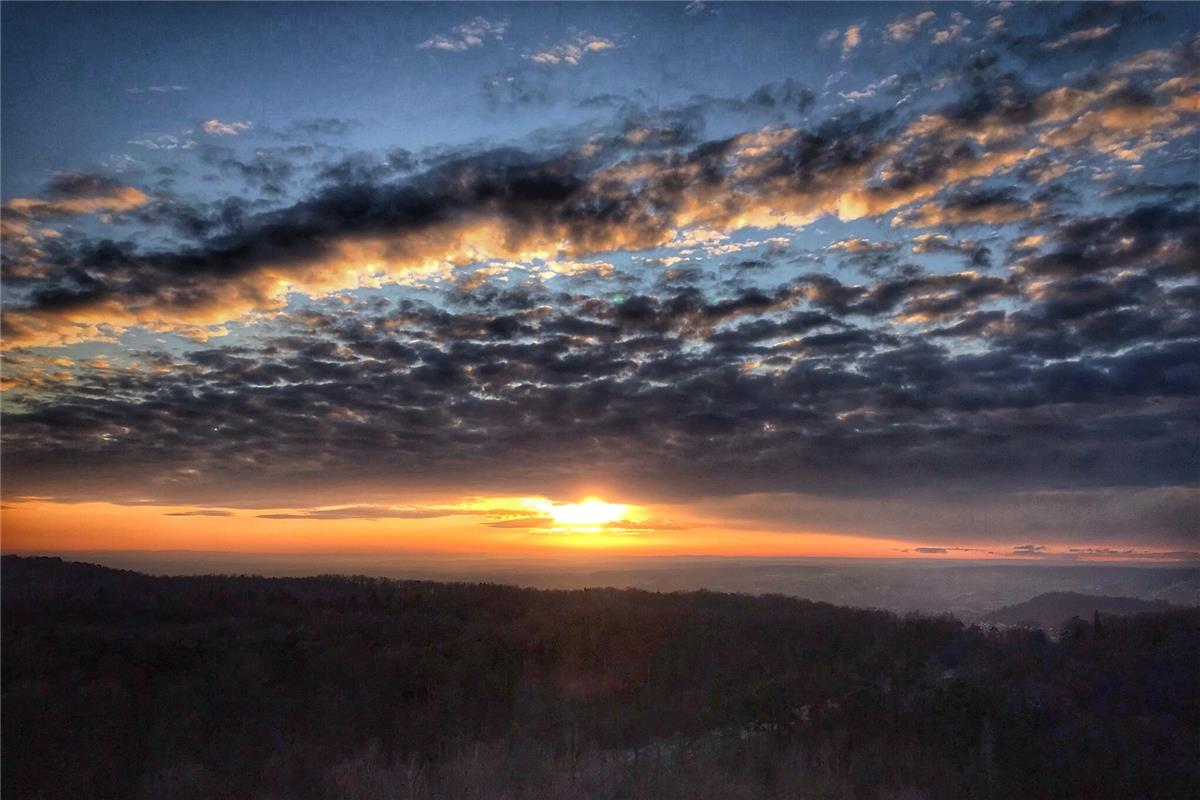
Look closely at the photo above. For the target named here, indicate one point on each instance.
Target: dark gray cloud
(417, 395)
(785, 95)
(1162, 239)
(367, 168)
(79, 184)
(1093, 28)
(323, 126)
(1057, 353)
(1128, 552)
(269, 169)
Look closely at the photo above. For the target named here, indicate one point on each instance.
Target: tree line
(121, 685)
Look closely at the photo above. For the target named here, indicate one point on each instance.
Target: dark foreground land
(120, 685)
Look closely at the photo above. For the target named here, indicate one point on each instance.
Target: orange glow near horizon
(485, 526)
(498, 526)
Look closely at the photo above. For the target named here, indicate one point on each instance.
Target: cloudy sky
(846, 279)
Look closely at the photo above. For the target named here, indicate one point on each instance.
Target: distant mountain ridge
(1052, 609)
(965, 589)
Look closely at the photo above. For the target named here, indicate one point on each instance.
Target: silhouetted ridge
(1052, 609)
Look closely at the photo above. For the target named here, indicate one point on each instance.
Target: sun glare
(588, 513)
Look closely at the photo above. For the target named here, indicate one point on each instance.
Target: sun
(591, 512)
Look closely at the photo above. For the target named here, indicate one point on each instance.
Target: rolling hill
(1050, 610)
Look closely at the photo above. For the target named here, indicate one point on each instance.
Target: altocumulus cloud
(622, 303)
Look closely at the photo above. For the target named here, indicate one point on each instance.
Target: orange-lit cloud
(905, 26)
(1084, 35)
(648, 201)
(571, 52)
(120, 198)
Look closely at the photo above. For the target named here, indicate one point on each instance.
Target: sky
(880, 280)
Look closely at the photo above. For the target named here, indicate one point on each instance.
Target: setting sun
(591, 512)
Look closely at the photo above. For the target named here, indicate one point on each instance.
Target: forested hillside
(1052, 609)
(120, 685)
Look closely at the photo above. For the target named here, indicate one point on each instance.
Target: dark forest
(121, 685)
